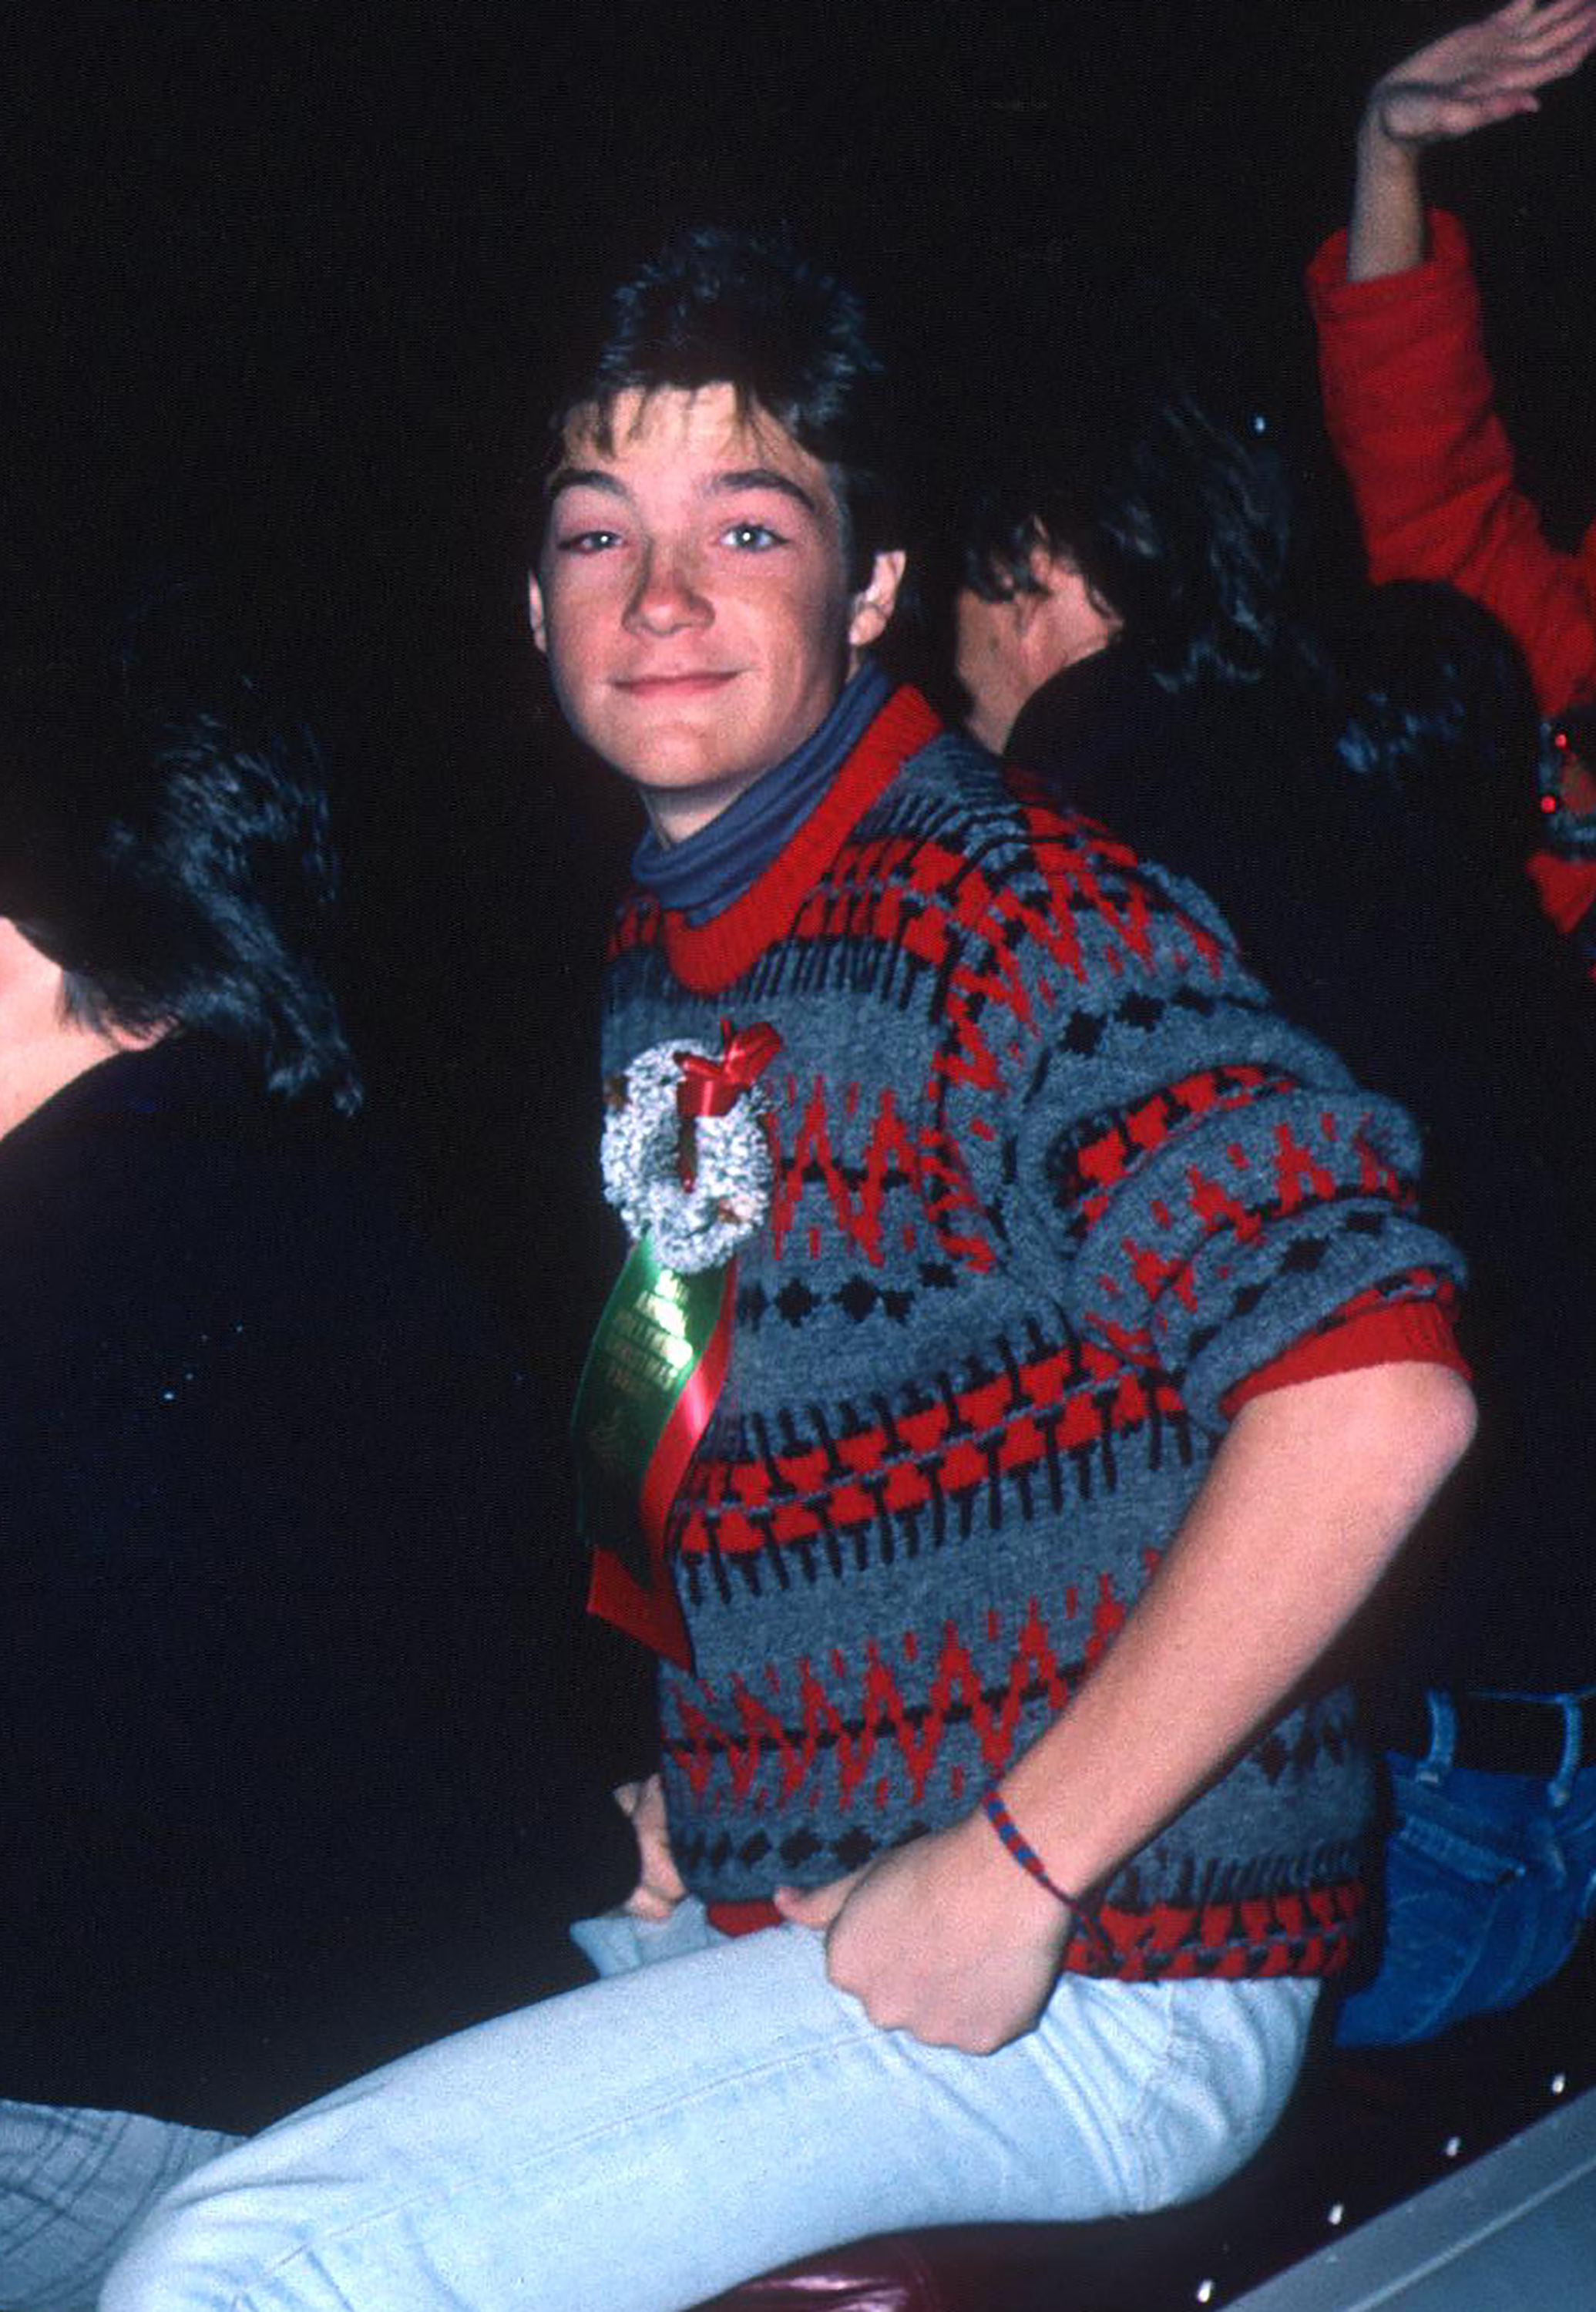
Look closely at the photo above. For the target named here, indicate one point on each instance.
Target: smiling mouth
(691, 683)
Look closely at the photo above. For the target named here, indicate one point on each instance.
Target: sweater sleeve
(1406, 1333)
(1207, 1185)
(1410, 408)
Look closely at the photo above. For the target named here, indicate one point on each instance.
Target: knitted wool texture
(1051, 1179)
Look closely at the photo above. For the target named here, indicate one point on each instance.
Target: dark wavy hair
(175, 861)
(744, 310)
(1441, 727)
(1127, 448)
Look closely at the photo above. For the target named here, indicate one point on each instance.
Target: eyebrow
(762, 478)
(745, 478)
(582, 477)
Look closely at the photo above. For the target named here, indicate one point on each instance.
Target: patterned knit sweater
(1051, 1182)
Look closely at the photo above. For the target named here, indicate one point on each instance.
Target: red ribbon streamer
(653, 1615)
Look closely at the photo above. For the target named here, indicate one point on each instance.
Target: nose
(666, 596)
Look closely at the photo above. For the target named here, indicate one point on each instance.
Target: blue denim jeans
(709, 2110)
(1489, 1880)
(73, 2185)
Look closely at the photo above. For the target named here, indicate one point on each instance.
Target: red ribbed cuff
(741, 1918)
(1412, 1332)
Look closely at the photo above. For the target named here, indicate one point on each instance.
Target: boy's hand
(944, 1938)
(659, 1887)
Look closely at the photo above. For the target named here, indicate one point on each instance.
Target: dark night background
(285, 279)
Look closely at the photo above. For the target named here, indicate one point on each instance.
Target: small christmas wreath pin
(684, 1159)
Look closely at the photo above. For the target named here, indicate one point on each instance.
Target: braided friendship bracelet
(1009, 1831)
(1003, 1822)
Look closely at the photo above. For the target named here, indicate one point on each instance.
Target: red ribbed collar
(707, 956)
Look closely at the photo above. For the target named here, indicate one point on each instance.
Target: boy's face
(692, 598)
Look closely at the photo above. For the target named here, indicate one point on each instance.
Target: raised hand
(1482, 73)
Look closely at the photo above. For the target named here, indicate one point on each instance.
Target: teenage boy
(1086, 1364)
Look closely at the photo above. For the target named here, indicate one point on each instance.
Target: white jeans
(713, 2110)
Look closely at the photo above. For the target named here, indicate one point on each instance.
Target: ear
(534, 598)
(872, 605)
(1048, 565)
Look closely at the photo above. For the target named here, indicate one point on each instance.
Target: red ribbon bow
(713, 1087)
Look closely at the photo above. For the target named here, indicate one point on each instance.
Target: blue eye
(752, 537)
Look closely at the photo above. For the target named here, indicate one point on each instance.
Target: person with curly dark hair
(280, 1730)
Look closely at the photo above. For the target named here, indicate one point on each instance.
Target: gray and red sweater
(1054, 1190)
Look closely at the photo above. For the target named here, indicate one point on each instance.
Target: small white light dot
(1559, 2081)
(1205, 2294)
(1337, 2213)
(1452, 2146)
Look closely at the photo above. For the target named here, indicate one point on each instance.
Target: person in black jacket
(285, 1752)
(1357, 796)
